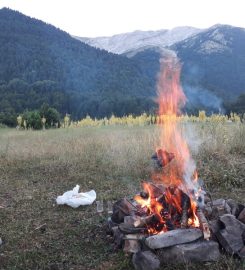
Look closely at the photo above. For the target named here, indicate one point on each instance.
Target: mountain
(42, 64)
(213, 68)
(140, 40)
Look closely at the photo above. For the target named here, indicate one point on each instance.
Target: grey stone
(208, 210)
(231, 242)
(236, 208)
(214, 225)
(110, 225)
(232, 224)
(241, 216)
(241, 253)
(233, 205)
(131, 245)
(131, 219)
(219, 208)
(231, 236)
(117, 237)
(201, 251)
(175, 237)
(243, 237)
(145, 260)
(1, 241)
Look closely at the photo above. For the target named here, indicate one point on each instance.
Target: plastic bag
(75, 199)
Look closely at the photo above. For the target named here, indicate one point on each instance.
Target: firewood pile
(169, 235)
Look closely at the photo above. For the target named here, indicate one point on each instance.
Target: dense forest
(42, 64)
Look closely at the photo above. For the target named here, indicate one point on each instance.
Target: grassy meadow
(37, 166)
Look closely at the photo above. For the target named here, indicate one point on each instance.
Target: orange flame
(171, 98)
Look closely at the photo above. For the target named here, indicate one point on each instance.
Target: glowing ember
(177, 205)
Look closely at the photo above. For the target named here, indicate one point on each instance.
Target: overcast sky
(108, 17)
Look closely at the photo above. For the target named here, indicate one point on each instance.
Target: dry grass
(36, 166)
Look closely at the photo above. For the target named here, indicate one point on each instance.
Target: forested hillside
(40, 63)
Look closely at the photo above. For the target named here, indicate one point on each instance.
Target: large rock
(241, 253)
(201, 251)
(145, 260)
(215, 226)
(231, 236)
(241, 216)
(131, 243)
(232, 224)
(171, 238)
(219, 208)
(231, 242)
(236, 208)
(118, 237)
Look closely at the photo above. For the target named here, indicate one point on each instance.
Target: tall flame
(178, 173)
(171, 99)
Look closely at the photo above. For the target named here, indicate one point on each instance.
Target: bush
(52, 115)
(33, 119)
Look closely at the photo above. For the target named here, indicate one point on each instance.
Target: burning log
(129, 229)
(144, 195)
(143, 221)
(203, 224)
(184, 218)
(185, 208)
(162, 157)
(168, 222)
(151, 189)
(175, 237)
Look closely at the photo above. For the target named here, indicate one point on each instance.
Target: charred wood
(203, 224)
(121, 209)
(143, 221)
(162, 157)
(130, 229)
(185, 208)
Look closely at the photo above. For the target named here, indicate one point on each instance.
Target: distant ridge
(123, 43)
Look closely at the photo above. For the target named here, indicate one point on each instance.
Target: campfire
(170, 218)
(176, 204)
